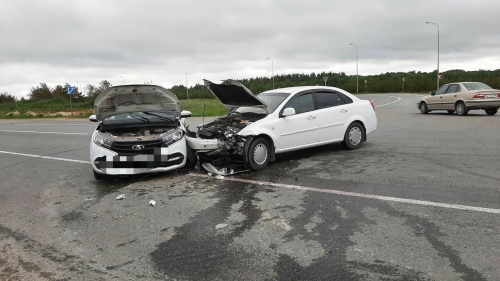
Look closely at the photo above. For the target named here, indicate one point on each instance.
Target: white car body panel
(309, 129)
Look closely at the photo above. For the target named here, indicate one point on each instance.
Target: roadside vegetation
(49, 102)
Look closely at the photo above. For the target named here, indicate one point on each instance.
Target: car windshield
(272, 100)
(139, 117)
(476, 86)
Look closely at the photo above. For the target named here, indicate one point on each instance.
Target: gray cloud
(86, 41)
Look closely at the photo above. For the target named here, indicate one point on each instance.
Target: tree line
(390, 82)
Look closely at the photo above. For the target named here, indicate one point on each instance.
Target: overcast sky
(85, 41)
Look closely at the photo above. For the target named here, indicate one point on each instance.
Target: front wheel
(423, 108)
(491, 111)
(460, 109)
(258, 155)
(353, 137)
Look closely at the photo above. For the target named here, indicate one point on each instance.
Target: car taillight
(478, 96)
(373, 105)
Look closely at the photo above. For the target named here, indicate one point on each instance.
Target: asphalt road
(419, 201)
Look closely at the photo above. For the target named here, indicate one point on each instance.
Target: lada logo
(138, 147)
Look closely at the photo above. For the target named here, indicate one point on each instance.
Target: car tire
(423, 108)
(353, 137)
(258, 155)
(491, 111)
(191, 159)
(451, 111)
(99, 176)
(461, 109)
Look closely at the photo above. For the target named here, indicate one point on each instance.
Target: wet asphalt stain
(50, 253)
(424, 228)
(198, 251)
(334, 232)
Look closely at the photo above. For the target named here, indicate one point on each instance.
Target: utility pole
(272, 69)
(428, 22)
(187, 91)
(357, 76)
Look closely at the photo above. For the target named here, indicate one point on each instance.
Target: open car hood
(232, 94)
(135, 98)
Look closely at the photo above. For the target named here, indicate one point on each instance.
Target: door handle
(311, 117)
(440, 97)
(344, 110)
(455, 95)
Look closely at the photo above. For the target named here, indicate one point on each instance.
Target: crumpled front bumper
(105, 161)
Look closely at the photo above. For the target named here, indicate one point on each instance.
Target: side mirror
(432, 93)
(186, 114)
(288, 112)
(92, 118)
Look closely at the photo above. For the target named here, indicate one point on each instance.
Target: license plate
(492, 96)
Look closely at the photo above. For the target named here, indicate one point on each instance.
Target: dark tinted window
(453, 88)
(442, 90)
(302, 104)
(328, 99)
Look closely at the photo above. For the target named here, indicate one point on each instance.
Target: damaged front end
(219, 147)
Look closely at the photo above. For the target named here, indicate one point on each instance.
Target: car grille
(125, 148)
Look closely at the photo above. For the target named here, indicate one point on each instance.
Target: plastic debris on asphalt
(120, 197)
(210, 174)
(220, 225)
(152, 203)
(90, 199)
(219, 177)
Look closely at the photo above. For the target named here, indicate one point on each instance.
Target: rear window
(476, 86)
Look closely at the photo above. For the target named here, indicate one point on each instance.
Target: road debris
(220, 225)
(120, 197)
(89, 199)
(172, 185)
(152, 203)
(219, 177)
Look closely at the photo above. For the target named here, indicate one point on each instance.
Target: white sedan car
(140, 130)
(281, 120)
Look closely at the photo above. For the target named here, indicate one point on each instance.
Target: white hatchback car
(140, 130)
(258, 127)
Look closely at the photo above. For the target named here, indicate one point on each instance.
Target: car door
(333, 111)
(300, 129)
(450, 97)
(436, 101)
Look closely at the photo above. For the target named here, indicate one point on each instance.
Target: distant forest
(390, 82)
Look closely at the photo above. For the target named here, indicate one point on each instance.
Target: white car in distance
(281, 120)
(141, 130)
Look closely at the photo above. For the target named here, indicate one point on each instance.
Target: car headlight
(172, 136)
(103, 140)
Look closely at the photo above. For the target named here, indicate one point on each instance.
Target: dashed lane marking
(45, 157)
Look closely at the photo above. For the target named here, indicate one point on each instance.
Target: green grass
(213, 107)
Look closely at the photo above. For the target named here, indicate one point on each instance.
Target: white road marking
(45, 157)
(35, 132)
(398, 99)
(369, 196)
(298, 187)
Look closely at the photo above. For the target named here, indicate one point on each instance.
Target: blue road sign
(71, 90)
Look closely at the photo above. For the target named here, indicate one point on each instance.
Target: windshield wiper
(159, 116)
(138, 117)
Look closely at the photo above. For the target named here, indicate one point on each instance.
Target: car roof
(292, 90)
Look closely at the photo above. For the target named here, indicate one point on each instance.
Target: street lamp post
(123, 79)
(272, 69)
(187, 91)
(357, 76)
(428, 22)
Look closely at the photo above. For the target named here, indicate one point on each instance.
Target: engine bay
(135, 134)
